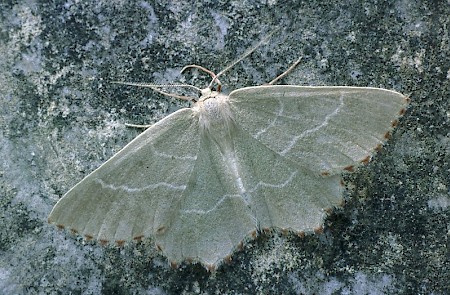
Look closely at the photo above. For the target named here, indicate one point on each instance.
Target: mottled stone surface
(61, 118)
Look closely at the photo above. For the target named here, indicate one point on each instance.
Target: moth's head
(207, 93)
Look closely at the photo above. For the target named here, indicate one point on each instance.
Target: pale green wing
(231, 194)
(281, 193)
(213, 217)
(135, 193)
(322, 128)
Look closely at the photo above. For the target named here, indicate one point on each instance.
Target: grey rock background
(61, 118)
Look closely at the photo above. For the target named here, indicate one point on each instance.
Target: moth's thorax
(214, 114)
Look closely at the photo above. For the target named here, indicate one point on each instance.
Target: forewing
(323, 128)
(134, 194)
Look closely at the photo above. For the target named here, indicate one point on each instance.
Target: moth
(205, 179)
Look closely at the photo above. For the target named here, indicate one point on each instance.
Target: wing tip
(368, 158)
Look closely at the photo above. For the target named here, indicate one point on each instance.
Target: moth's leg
(138, 126)
(286, 72)
(245, 54)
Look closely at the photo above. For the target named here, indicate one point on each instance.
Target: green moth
(206, 178)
